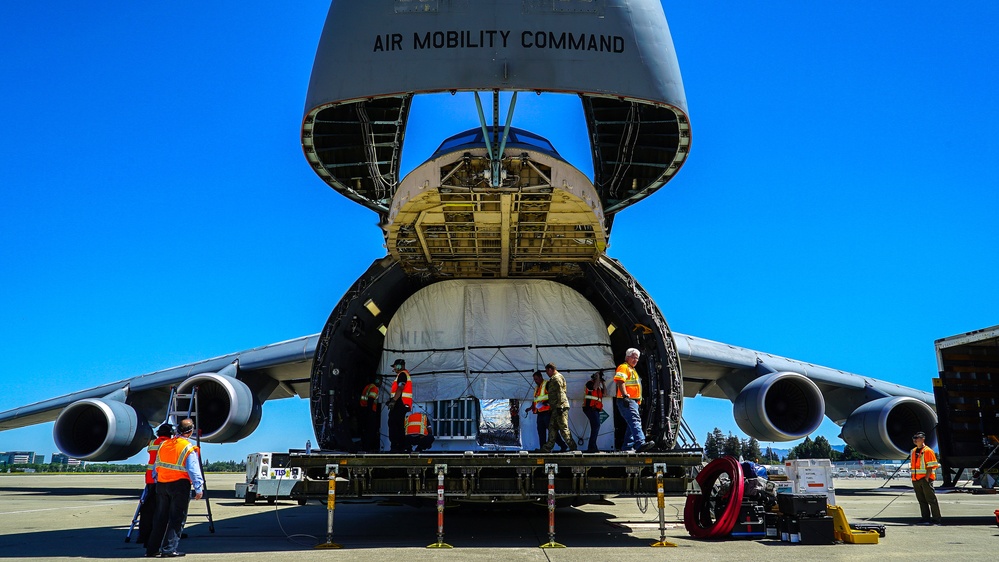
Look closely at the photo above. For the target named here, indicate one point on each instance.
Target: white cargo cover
(484, 338)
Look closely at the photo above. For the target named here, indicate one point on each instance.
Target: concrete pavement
(46, 517)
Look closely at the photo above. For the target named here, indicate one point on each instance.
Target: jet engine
(779, 407)
(883, 428)
(227, 409)
(101, 429)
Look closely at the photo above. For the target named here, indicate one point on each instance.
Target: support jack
(551, 469)
(660, 469)
(331, 472)
(441, 469)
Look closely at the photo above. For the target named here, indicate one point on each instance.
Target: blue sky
(838, 205)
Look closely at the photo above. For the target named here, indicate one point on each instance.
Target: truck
(967, 400)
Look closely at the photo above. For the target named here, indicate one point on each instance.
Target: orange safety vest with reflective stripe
(541, 398)
(594, 397)
(924, 464)
(407, 389)
(416, 424)
(632, 384)
(370, 393)
(152, 449)
(170, 461)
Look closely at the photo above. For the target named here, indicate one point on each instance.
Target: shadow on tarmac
(287, 527)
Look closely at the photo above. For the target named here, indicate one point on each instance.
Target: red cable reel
(697, 517)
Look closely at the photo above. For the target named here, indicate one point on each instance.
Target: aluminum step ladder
(176, 413)
(180, 406)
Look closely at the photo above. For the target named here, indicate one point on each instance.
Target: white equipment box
(809, 476)
(265, 481)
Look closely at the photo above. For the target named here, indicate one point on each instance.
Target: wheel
(271, 500)
(303, 502)
(250, 499)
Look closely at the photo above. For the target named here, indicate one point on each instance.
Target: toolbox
(808, 505)
(816, 530)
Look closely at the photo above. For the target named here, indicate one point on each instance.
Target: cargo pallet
(479, 476)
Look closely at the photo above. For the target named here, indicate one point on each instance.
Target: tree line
(717, 444)
(209, 466)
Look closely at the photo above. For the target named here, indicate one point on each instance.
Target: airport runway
(45, 517)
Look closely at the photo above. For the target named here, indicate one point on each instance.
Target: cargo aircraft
(496, 258)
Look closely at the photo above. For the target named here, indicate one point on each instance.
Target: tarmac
(51, 517)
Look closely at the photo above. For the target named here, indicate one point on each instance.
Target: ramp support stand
(331, 472)
(441, 469)
(660, 469)
(551, 469)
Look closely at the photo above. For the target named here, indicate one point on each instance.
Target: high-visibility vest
(407, 389)
(923, 464)
(594, 397)
(541, 398)
(632, 384)
(416, 424)
(153, 449)
(171, 458)
(370, 395)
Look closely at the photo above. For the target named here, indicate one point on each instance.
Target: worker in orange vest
(628, 400)
(369, 416)
(419, 434)
(176, 471)
(148, 508)
(399, 405)
(593, 406)
(923, 468)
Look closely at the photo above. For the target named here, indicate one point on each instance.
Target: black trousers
(371, 424)
(593, 415)
(146, 514)
(172, 499)
(397, 426)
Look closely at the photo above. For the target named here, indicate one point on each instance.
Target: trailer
(486, 477)
(967, 400)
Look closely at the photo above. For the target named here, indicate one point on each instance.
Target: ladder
(177, 412)
(180, 406)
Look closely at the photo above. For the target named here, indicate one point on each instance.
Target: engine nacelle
(227, 409)
(96, 429)
(883, 428)
(779, 407)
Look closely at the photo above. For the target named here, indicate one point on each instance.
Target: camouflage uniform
(559, 402)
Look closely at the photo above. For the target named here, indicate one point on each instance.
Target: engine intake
(227, 409)
(883, 428)
(779, 407)
(96, 429)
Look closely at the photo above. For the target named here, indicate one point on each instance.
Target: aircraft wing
(769, 391)
(780, 399)
(239, 382)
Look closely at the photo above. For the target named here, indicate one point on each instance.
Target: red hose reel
(697, 516)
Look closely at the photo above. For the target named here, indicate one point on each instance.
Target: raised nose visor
(449, 219)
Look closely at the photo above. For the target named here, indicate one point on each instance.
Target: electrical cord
(292, 538)
(642, 507)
